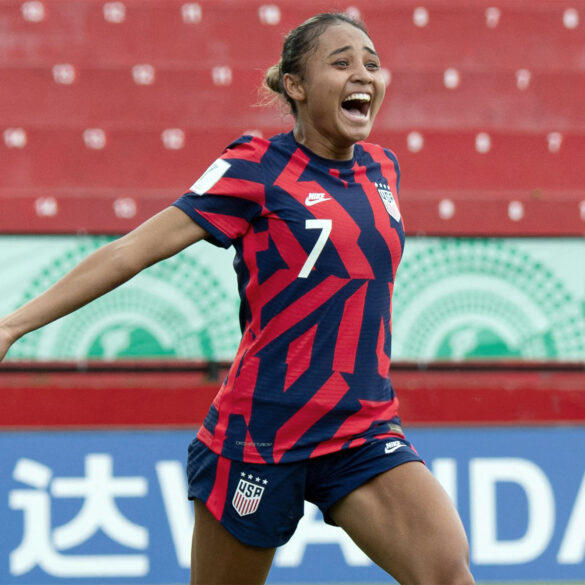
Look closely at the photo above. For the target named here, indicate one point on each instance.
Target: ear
(293, 87)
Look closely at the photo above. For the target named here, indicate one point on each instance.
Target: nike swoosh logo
(309, 202)
(394, 448)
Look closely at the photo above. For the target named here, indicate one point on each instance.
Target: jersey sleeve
(229, 195)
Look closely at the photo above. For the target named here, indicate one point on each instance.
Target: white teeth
(363, 97)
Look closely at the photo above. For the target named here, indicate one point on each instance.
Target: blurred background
(109, 111)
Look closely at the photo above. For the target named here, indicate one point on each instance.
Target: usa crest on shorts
(388, 200)
(248, 494)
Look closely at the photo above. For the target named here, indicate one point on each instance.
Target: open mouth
(357, 104)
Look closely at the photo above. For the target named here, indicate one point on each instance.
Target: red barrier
(179, 396)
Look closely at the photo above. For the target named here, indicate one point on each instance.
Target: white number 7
(315, 224)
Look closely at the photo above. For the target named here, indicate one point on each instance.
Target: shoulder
(248, 147)
(379, 153)
(239, 163)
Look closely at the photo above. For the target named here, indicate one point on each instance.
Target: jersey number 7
(316, 224)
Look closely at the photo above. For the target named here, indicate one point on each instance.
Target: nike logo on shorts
(393, 446)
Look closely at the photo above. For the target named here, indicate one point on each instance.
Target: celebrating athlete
(307, 410)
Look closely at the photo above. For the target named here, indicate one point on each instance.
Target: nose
(362, 74)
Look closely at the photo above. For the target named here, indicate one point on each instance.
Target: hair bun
(272, 78)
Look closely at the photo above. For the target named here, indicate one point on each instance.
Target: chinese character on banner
(44, 546)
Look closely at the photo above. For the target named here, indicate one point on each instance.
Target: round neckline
(331, 162)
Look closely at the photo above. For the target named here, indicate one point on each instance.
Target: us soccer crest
(248, 494)
(388, 200)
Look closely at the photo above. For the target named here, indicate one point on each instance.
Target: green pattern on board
(455, 299)
(459, 299)
(176, 308)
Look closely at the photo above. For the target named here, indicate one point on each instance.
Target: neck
(321, 145)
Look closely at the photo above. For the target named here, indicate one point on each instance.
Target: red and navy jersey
(317, 243)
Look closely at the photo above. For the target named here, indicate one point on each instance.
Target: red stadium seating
(508, 100)
(513, 33)
(142, 95)
(189, 98)
(146, 158)
(109, 101)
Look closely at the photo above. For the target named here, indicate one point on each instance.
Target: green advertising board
(463, 298)
(455, 299)
(184, 307)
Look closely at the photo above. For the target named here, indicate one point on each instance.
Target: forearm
(99, 273)
(162, 236)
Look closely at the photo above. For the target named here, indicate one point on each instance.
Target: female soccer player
(307, 411)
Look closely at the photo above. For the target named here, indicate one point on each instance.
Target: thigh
(405, 522)
(218, 558)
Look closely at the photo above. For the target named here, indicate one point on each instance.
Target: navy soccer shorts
(261, 504)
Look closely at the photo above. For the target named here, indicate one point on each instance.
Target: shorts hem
(348, 488)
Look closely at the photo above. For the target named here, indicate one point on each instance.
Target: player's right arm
(162, 236)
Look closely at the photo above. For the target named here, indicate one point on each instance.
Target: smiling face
(339, 93)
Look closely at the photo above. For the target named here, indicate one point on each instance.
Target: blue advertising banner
(110, 507)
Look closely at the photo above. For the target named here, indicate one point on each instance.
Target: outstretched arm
(162, 236)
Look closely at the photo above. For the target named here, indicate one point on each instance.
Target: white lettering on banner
(485, 473)
(40, 546)
(48, 547)
(173, 486)
(445, 471)
(312, 530)
(572, 549)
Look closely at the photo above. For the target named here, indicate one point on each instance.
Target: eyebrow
(348, 47)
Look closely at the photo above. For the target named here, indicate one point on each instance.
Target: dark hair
(298, 44)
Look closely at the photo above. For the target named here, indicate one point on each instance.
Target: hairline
(336, 20)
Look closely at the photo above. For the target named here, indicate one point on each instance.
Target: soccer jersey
(317, 244)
